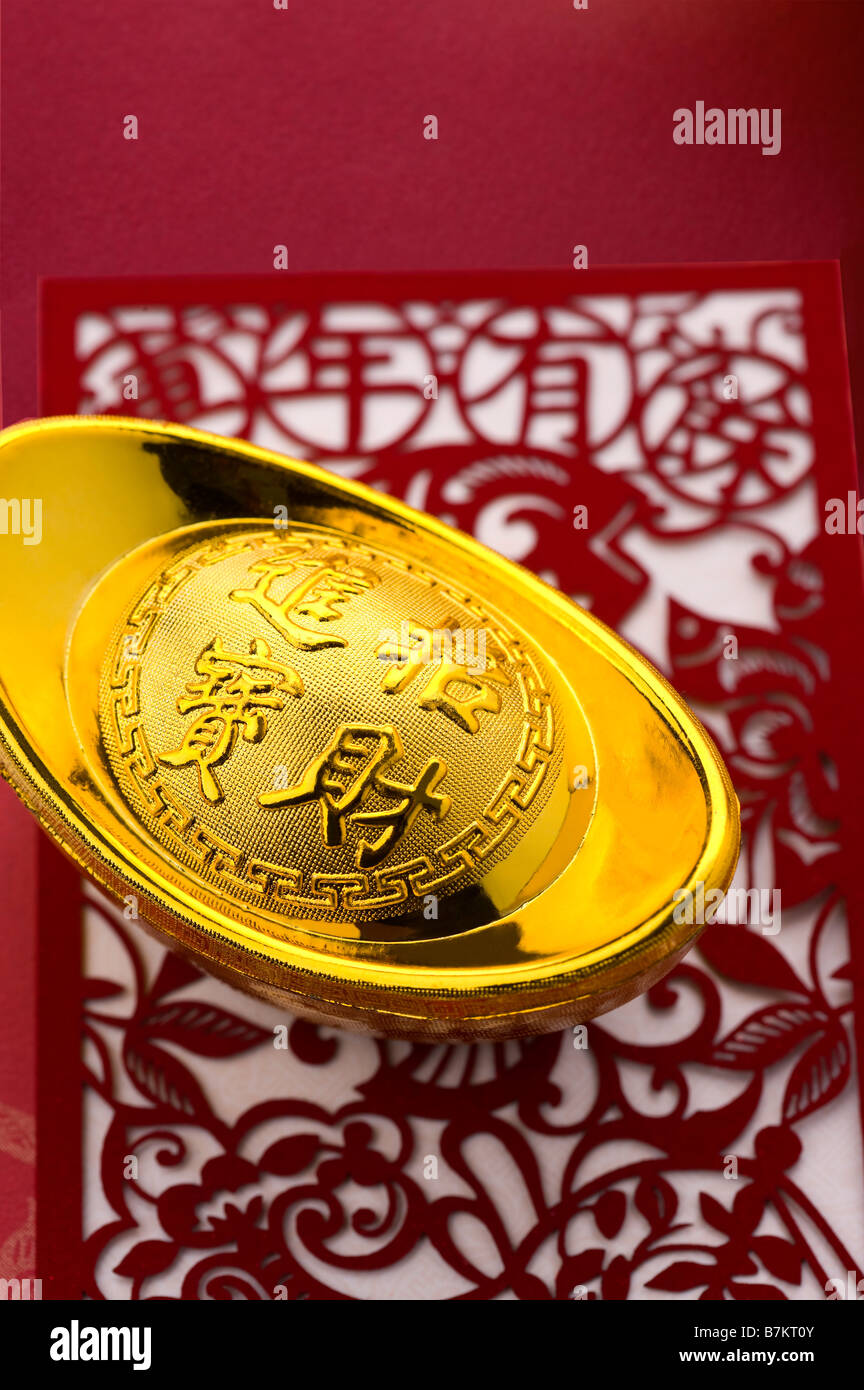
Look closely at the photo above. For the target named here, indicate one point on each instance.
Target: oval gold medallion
(352, 761)
(315, 728)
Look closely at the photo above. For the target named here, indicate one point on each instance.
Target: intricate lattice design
(682, 421)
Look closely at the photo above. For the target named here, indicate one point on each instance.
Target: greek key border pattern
(317, 891)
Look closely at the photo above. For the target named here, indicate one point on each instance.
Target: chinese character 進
(350, 769)
(234, 690)
(315, 598)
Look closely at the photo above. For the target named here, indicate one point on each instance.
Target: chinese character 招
(348, 772)
(232, 695)
(408, 658)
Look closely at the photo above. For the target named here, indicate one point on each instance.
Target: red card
(672, 447)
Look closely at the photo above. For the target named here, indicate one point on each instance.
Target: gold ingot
(348, 758)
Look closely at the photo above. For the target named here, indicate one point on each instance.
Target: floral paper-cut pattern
(691, 1149)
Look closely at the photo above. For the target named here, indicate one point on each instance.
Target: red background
(304, 127)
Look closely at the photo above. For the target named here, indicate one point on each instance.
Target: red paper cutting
(699, 415)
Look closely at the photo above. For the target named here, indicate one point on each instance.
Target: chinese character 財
(350, 769)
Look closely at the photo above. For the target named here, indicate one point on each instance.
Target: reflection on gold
(220, 716)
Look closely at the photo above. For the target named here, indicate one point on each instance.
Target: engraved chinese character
(318, 597)
(348, 772)
(416, 651)
(233, 694)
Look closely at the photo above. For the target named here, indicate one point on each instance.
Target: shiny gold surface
(345, 756)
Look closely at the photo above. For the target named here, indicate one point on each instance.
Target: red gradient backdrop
(304, 126)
